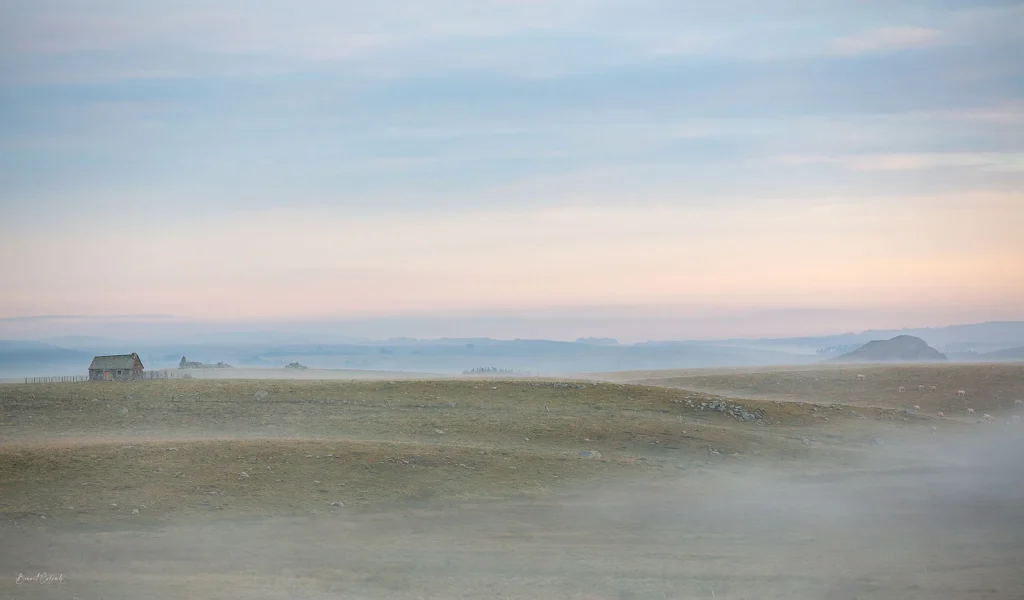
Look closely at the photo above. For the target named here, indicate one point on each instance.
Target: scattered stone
(877, 441)
(805, 441)
(261, 395)
(439, 431)
(135, 511)
(244, 474)
(590, 454)
(124, 410)
(337, 503)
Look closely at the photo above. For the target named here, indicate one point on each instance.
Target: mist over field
(261, 349)
(811, 501)
(511, 299)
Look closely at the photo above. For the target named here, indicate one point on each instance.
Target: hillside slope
(899, 348)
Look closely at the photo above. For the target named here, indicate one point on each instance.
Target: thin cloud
(48, 318)
(1007, 162)
(886, 40)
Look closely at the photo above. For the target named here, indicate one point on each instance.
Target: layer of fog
(935, 515)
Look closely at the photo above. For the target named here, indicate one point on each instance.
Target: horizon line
(363, 339)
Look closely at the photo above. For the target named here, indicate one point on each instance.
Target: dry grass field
(989, 387)
(802, 483)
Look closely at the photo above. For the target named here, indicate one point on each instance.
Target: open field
(988, 387)
(303, 374)
(484, 488)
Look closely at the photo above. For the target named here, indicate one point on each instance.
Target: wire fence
(162, 375)
(58, 379)
(145, 375)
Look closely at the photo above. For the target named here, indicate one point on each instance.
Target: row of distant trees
(492, 371)
(838, 349)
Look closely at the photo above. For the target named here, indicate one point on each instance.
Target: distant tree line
(838, 349)
(492, 371)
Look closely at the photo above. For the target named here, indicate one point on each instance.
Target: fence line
(146, 375)
(59, 379)
(161, 375)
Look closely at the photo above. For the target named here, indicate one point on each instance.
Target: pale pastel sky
(790, 166)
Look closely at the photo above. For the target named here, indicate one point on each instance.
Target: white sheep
(916, 407)
(988, 418)
(1018, 403)
(932, 388)
(920, 388)
(941, 415)
(861, 377)
(961, 393)
(901, 389)
(970, 411)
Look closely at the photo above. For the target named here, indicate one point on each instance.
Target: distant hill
(977, 337)
(598, 341)
(25, 358)
(897, 349)
(18, 351)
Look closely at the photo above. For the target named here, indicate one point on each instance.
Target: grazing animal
(932, 388)
(941, 415)
(961, 393)
(970, 411)
(920, 388)
(861, 376)
(916, 407)
(988, 418)
(902, 389)
(1018, 402)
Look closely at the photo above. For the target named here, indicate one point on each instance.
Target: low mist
(936, 515)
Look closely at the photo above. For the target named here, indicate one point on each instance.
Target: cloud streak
(887, 39)
(1010, 162)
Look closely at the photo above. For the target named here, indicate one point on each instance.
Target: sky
(667, 168)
